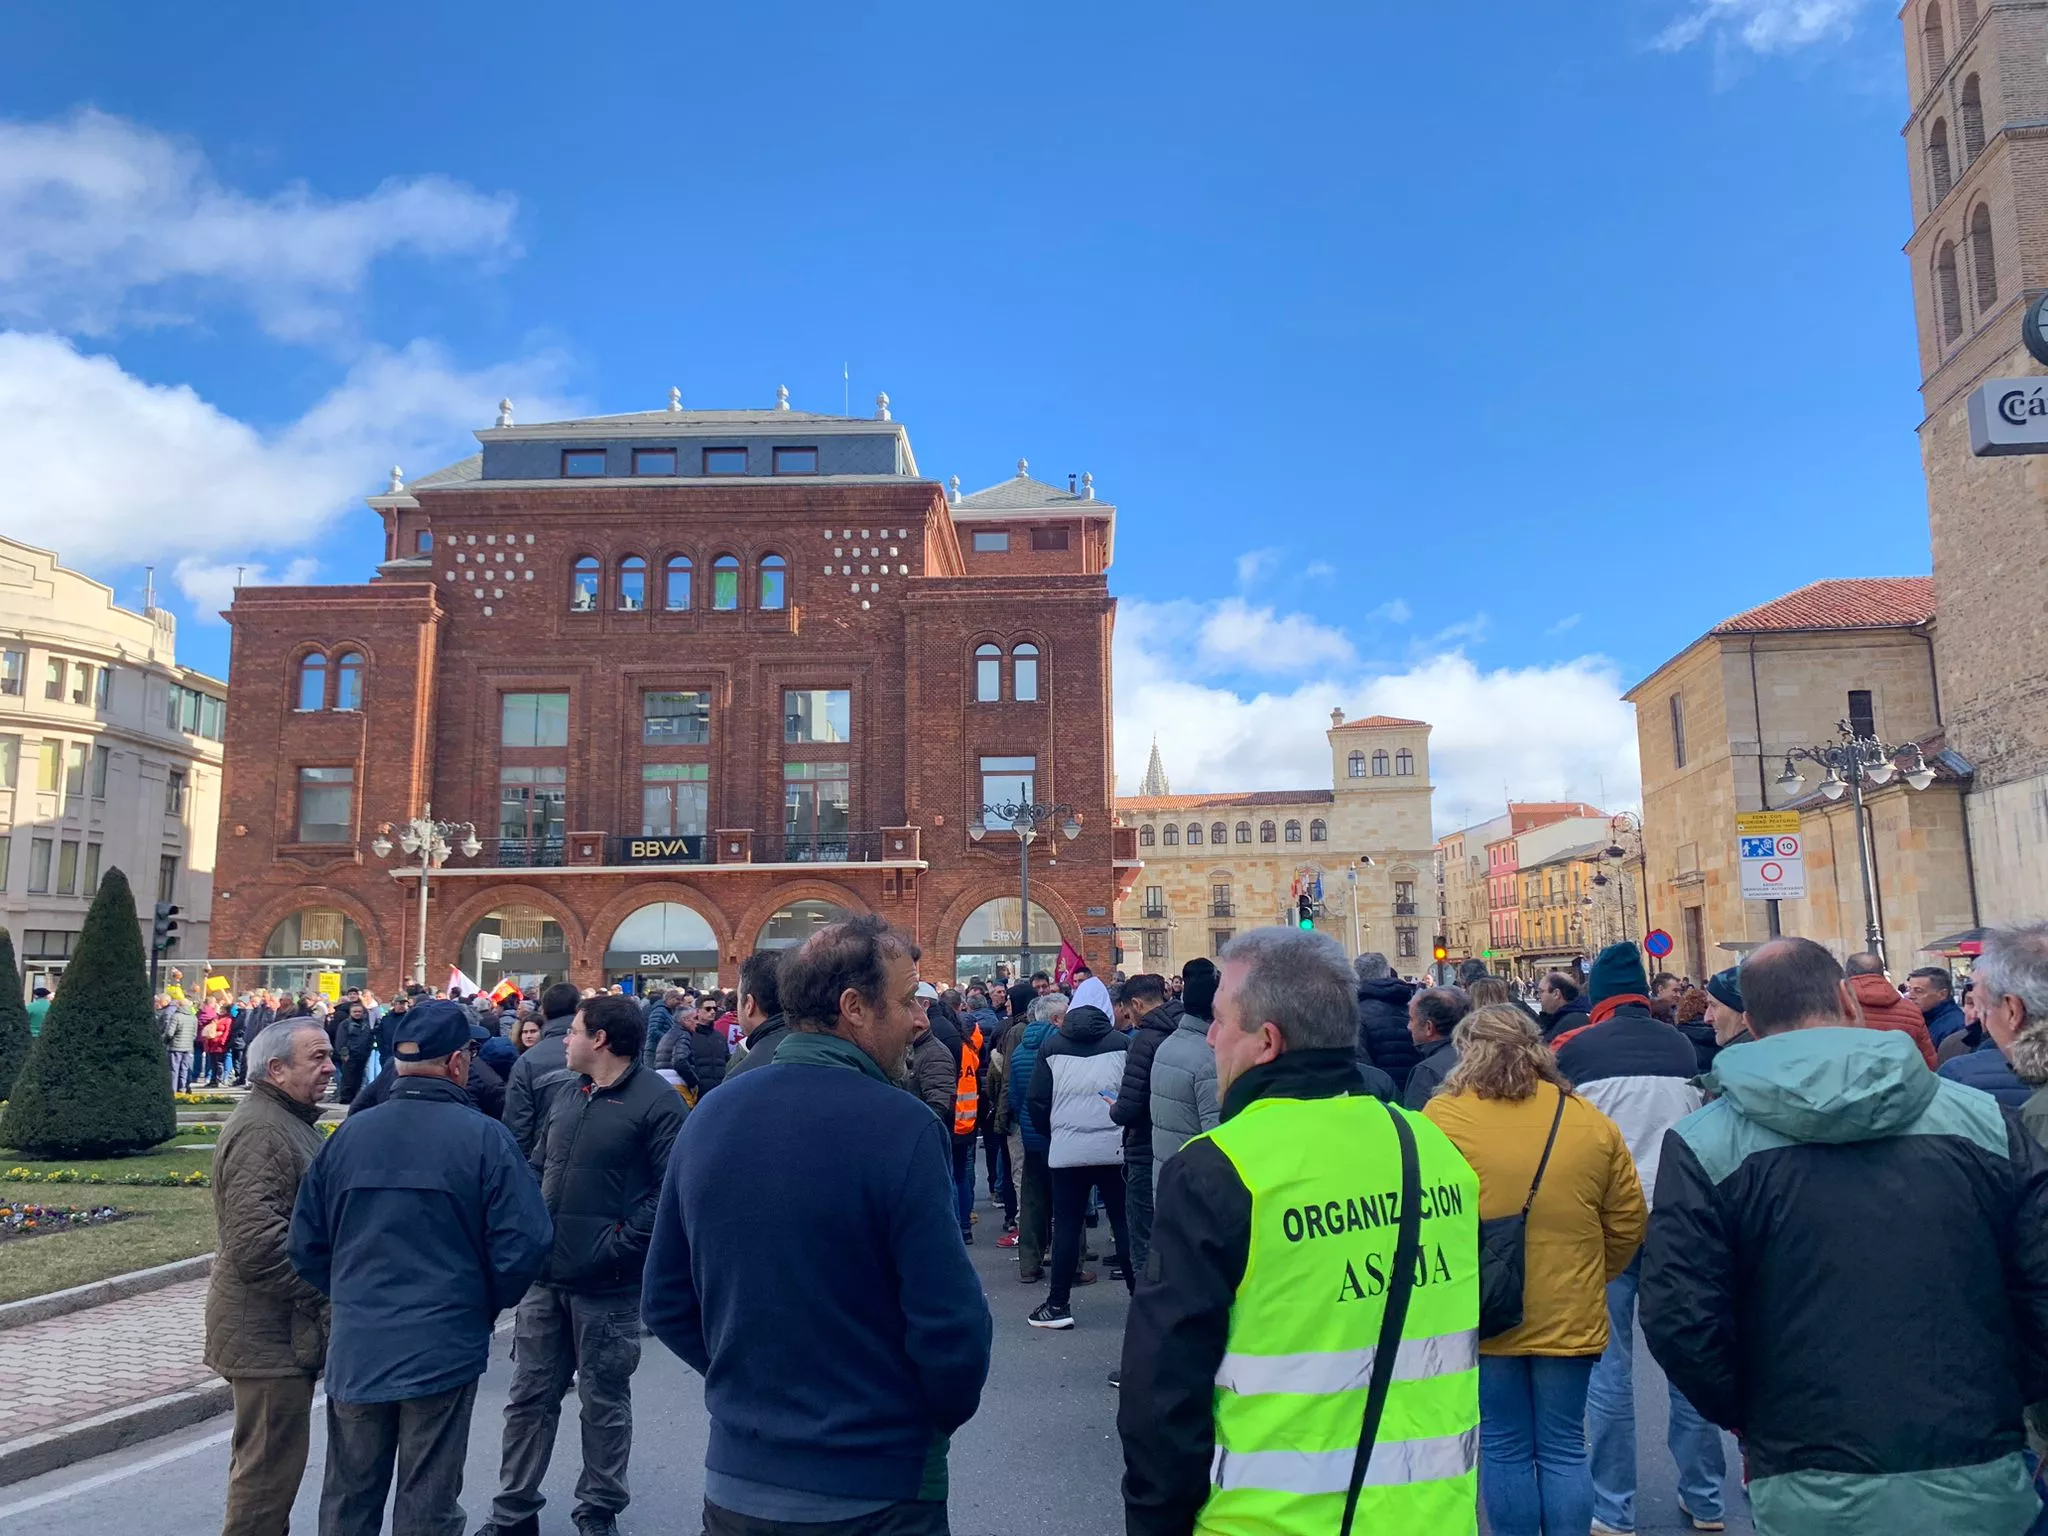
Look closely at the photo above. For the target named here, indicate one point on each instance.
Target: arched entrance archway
(521, 942)
(310, 941)
(792, 924)
(992, 934)
(663, 941)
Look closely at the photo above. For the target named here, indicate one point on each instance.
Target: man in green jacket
(266, 1329)
(38, 1010)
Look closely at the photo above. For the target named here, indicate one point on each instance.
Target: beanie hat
(1199, 980)
(1617, 972)
(1725, 987)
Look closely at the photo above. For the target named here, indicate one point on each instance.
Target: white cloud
(1394, 612)
(1538, 732)
(1763, 26)
(104, 221)
(1255, 563)
(1237, 637)
(211, 585)
(1319, 570)
(109, 467)
(1569, 621)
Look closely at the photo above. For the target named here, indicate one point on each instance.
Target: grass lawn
(165, 1223)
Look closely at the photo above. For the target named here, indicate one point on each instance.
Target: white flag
(457, 979)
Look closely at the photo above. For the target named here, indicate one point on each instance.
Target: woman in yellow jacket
(1588, 1218)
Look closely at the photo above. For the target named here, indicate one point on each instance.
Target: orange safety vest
(967, 1092)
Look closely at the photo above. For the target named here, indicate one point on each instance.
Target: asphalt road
(1040, 1459)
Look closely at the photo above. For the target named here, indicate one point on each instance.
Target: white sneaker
(1602, 1528)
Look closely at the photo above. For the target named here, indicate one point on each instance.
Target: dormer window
(796, 461)
(654, 461)
(582, 463)
(725, 461)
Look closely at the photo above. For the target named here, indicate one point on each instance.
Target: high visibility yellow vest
(1325, 1181)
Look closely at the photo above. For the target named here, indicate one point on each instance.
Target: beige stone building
(1978, 164)
(1713, 726)
(1361, 851)
(109, 759)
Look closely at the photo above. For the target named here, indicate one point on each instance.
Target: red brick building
(702, 680)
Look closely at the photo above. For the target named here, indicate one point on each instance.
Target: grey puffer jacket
(934, 1075)
(1183, 1090)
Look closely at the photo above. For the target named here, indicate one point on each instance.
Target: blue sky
(1459, 362)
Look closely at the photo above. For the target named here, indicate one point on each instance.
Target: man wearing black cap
(1724, 1008)
(420, 1223)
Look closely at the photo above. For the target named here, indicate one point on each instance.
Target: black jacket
(1429, 1074)
(1704, 1047)
(536, 1078)
(1383, 1028)
(1847, 1264)
(762, 1045)
(1133, 1107)
(600, 1161)
(486, 1088)
(1178, 1323)
(708, 1054)
(1575, 1014)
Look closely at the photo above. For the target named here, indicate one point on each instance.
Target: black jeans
(426, 1439)
(1138, 1207)
(910, 1518)
(1070, 1188)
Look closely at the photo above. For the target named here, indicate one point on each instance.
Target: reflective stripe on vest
(1325, 1185)
(1393, 1463)
(1348, 1370)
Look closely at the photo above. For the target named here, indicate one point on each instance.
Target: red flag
(1071, 960)
(504, 989)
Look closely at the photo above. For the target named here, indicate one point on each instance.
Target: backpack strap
(1407, 1250)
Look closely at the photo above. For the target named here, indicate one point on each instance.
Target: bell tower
(1977, 151)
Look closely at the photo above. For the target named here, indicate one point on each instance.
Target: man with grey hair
(2008, 991)
(1780, 1298)
(266, 1329)
(1383, 1019)
(1221, 1358)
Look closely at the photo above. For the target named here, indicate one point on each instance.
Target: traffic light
(166, 934)
(1305, 907)
(1441, 953)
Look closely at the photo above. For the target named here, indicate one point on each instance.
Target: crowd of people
(1388, 1244)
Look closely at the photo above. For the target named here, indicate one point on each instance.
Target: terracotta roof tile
(1382, 722)
(1874, 602)
(1140, 804)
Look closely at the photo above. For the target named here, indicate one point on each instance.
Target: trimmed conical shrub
(14, 1036)
(97, 1083)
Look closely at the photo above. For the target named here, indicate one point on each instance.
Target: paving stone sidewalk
(66, 1369)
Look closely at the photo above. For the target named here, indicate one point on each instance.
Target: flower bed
(19, 1175)
(28, 1219)
(221, 1099)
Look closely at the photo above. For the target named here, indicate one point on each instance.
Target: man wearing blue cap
(420, 1222)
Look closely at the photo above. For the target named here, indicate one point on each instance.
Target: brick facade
(877, 601)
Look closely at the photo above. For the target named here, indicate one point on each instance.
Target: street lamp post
(1025, 818)
(1850, 760)
(1623, 826)
(432, 840)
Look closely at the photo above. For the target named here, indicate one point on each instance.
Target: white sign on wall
(2009, 416)
(1773, 856)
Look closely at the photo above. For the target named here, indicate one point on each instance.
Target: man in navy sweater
(844, 1341)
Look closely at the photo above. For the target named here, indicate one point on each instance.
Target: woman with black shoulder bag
(1561, 1214)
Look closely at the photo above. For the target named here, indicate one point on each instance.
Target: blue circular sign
(1658, 944)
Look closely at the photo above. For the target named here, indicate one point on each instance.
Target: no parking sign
(1772, 855)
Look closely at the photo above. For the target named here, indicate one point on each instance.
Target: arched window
(1219, 833)
(1293, 832)
(1971, 111)
(583, 585)
(774, 582)
(1932, 46)
(1267, 831)
(1355, 765)
(1966, 18)
(1319, 831)
(1983, 266)
(725, 583)
(1244, 831)
(313, 682)
(632, 584)
(1379, 765)
(348, 680)
(988, 674)
(1404, 764)
(1170, 835)
(1024, 672)
(1948, 294)
(1194, 834)
(675, 596)
(1941, 173)
(1145, 838)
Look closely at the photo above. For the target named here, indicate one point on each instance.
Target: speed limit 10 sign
(1772, 856)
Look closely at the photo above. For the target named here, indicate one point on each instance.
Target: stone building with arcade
(701, 681)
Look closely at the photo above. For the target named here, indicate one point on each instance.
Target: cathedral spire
(1155, 775)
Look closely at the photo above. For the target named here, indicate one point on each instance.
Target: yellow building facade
(1360, 851)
